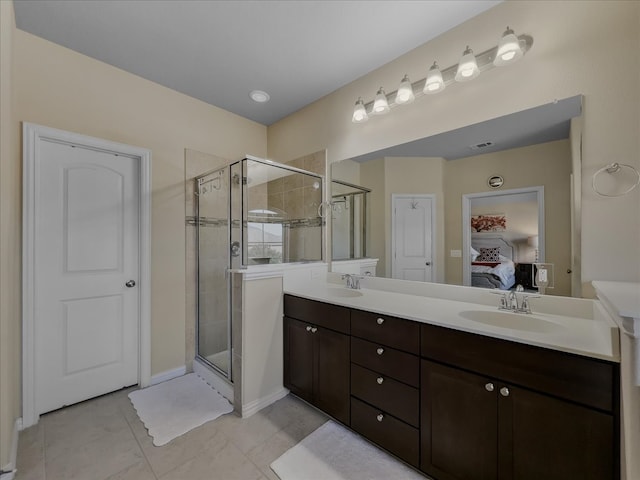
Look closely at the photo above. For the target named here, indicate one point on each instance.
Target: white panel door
(86, 247)
(412, 232)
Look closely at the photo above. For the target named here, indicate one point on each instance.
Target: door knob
(380, 417)
(504, 391)
(489, 387)
(308, 328)
(380, 321)
(130, 283)
(380, 380)
(380, 351)
(427, 263)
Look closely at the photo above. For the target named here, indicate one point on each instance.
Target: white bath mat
(334, 453)
(174, 407)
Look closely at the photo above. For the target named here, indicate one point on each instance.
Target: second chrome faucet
(353, 280)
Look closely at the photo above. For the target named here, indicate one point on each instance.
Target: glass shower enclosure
(349, 220)
(252, 212)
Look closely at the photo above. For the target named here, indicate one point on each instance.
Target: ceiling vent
(480, 146)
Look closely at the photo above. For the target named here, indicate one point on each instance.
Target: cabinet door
(459, 424)
(298, 358)
(553, 439)
(332, 373)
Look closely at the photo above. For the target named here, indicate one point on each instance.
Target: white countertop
(624, 296)
(596, 337)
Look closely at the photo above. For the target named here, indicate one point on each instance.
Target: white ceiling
(218, 51)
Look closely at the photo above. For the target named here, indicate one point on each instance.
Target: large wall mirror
(479, 206)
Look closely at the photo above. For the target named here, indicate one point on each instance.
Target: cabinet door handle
(380, 351)
(314, 329)
(380, 417)
(308, 328)
(489, 387)
(380, 321)
(504, 391)
(380, 380)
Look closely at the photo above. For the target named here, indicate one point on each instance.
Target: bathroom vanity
(453, 389)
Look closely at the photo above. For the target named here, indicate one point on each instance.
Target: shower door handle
(235, 249)
(130, 283)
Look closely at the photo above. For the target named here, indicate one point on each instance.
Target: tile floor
(103, 439)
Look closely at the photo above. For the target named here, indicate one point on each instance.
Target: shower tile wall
(297, 196)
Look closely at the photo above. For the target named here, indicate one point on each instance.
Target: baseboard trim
(10, 469)
(167, 375)
(257, 405)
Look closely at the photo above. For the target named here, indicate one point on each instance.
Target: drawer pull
(489, 387)
(380, 417)
(380, 321)
(380, 380)
(308, 328)
(314, 329)
(504, 391)
(380, 351)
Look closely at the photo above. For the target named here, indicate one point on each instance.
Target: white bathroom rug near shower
(174, 407)
(334, 453)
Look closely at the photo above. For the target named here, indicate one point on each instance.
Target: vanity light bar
(486, 61)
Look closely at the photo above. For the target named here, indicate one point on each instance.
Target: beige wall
(595, 54)
(395, 175)
(373, 177)
(548, 165)
(90, 97)
(57, 87)
(416, 175)
(10, 237)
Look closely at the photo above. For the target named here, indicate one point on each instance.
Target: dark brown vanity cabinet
(457, 405)
(385, 381)
(316, 355)
(493, 409)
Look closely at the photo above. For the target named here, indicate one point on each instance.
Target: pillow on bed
(491, 254)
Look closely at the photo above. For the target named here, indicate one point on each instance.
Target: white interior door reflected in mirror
(413, 231)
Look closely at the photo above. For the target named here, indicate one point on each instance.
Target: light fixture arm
(484, 61)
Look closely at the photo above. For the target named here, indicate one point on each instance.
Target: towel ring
(611, 169)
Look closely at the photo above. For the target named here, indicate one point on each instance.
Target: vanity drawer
(385, 430)
(386, 330)
(573, 377)
(319, 313)
(387, 394)
(399, 365)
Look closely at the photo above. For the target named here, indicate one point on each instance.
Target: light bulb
(468, 67)
(380, 105)
(405, 91)
(434, 82)
(509, 49)
(359, 112)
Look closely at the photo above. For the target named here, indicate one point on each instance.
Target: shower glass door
(213, 242)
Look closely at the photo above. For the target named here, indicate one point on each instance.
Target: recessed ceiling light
(259, 96)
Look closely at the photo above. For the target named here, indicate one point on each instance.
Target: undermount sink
(344, 292)
(513, 321)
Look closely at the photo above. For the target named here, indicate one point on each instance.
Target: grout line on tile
(153, 472)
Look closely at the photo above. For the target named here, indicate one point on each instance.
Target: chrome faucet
(353, 280)
(514, 303)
